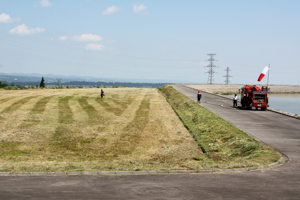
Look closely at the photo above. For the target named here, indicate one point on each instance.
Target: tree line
(43, 84)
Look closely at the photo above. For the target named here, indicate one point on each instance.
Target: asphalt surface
(281, 182)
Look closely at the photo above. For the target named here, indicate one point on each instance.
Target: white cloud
(24, 30)
(5, 18)
(94, 47)
(111, 10)
(45, 3)
(139, 8)
(204, 63)
(63, 38)
(87, 37)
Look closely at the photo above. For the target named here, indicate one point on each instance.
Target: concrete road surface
(282, 182)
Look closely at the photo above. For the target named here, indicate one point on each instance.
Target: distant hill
(23, 80)
(32, 77)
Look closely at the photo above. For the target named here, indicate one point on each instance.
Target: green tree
(42, 84)
(2, 85)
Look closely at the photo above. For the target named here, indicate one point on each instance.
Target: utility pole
(211, 69)
(227, 76)
(58, 81)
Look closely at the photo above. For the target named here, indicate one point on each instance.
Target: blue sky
(152, 39)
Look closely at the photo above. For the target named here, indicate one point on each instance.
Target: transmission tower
(227, 76)
(58, 81)
(211, 69)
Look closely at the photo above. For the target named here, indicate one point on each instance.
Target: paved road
(283, 182)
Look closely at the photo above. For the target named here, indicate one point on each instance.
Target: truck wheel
(263, 108)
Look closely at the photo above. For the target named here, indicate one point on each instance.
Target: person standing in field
(235, 101)
(102, 93)
(199, 95)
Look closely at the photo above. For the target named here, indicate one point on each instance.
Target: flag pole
(268, 78)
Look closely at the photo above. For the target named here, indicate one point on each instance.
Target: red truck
(254, 96)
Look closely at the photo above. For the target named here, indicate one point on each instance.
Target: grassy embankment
(226, 145)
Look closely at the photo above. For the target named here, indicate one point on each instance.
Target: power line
(227, 76)
(211, 71)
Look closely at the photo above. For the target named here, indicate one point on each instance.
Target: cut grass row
(226, 146)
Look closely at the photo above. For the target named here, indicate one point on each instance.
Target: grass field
(76, 130)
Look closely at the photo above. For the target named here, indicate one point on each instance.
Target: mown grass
(6, 99)
(226, 146)
(15, 106)
(89, 109)
(122, 103)
(65, 112)
(75, 130)
(40, 106)
(130, 137)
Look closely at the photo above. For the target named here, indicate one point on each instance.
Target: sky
(153, 40)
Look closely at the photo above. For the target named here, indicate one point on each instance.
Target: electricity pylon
(211, 71)
(227, 76)
(58, 81)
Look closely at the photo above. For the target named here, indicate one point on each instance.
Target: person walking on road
(235, 101)
(199, 95)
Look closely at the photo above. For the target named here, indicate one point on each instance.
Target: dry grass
(74, 130)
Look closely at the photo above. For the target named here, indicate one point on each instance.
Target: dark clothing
(235, 101)
(199, 95)
(102, 93)
(244, 101)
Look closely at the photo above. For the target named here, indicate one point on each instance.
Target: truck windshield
(260, 97)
